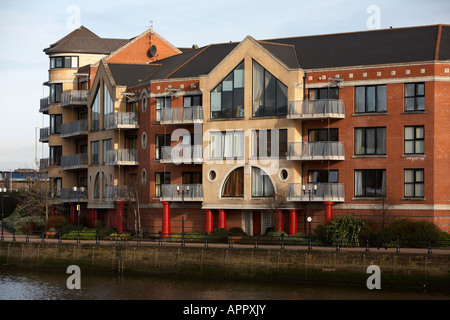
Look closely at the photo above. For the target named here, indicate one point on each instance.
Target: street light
(183, 190)
(77, 193)
(312, 190)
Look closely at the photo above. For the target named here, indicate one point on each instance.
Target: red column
(328, 211)
(73, 213)
(120, 216)
(293, 226)
(280, 220)
(92, 217)
(166, 219)
(222, 219)
(209, 221)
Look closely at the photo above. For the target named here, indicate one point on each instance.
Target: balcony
(44, 105)
(74, 162)
(77, 98)
(44, 164)
(119, 193)
(172, 192)
(69, 195)
(44, 133)
(182, 154)
(320, 150)
(325, 192)
(122, 157)
(316, 109)
(122, 120)
(74, 129)
(182, 115)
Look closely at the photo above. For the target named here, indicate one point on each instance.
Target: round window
(284, 174)
(212, 175)
(144, 140)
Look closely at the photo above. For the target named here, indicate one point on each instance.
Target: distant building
(209, 137)
(20, 179)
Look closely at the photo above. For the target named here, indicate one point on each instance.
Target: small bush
(56, 222)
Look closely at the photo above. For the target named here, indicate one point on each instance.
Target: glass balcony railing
(70, 195)
(317, 150)
(316, 109)
(44, 133)
(182, 154)
(182, 115)
(122, 157)
(317, 192)
(74, 162)
(180, 192)
(74, 98)
(122, 120)
(74, 129)
(44, 105)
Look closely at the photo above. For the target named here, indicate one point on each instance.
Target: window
(330, 134)
(227, 99)
(323, 176)
(161, 140)
(269, 143)
(55, 155)
(234, 184)
(414, 140)
(63, 62)
(323, 93)
(108, 105)
(107, 146)
(261, 184)
(192, 101)
(370, 183)
(95, 125)
(57, 187)
(192, 177)
(269, 93)
(95, 152)
(414, 183)
(414, 96)
(163, 102)
(370, 141)
(55, 92)
(370, 99)
(161, 178)
(229, 144)
(97, 186)
(55, 123)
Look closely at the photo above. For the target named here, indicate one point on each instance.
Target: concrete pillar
(166, 219)
(209, 226)
(93, 216)
(293, 225)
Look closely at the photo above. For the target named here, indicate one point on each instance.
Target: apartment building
(259, 134)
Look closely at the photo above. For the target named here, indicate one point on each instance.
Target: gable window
(234, 185)
(370, 183)
(370, 141)
(95, 121)
(414, 96)
(227, 99)
(269, 143)
(414, 183)
(414, 140)
(269, 93)
(370, 99)
(261, 184)
(108, 105)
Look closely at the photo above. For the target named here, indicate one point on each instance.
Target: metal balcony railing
(316, 109)
(122, 157)
(180, 192)
(69, 195)
(119, 193)
(44, 105)
(122, 120)
(74, 129)
(75, 161)
(324, 192)
(186, 115)
(44, 133)
(182, 154)
(74, 98)
(318, 150)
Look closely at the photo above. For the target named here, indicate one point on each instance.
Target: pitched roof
(369, 47)
(131, 74)
(82, 40)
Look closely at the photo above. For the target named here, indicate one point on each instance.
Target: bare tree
(275, 204)
(382, 213)
(131, 195)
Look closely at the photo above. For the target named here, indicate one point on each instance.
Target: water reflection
(20, 285)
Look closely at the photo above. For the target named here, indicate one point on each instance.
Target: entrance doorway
(256, 221)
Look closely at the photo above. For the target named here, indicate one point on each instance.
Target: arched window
(97, 186)
(234, 184)
(261, 184)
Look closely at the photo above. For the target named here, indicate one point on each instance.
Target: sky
(28, 27)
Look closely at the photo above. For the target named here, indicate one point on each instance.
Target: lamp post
(312, 190)
(2, 190)
(77, 193)
(183, 190)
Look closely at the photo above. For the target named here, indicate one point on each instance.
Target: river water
(33, 285)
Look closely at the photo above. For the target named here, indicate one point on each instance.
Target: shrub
(56, 222)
